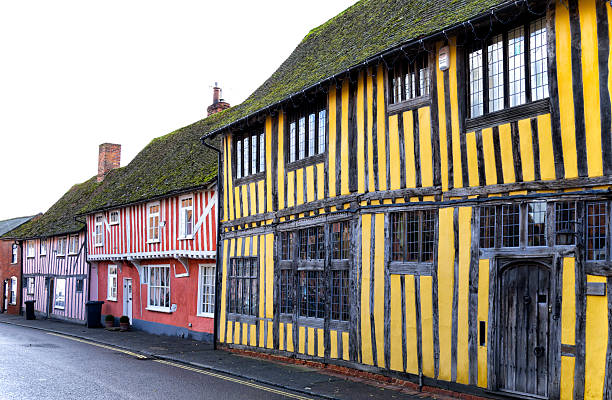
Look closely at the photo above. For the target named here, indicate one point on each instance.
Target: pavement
(188, 352)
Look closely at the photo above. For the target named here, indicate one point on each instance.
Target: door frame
(125, 293)
(50, 296)
(553, 262)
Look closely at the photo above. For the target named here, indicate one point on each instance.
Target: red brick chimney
(218, 103)
(109, 158)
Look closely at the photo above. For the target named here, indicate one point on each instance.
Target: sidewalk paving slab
(299, 378)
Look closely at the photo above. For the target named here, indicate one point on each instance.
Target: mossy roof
(363, 31)
(60, 218)
(10, 224)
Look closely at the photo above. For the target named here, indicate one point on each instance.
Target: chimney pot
(109, 157)
(218, 103)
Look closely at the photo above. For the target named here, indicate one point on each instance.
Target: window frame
(82, 285)
(182, 223)
(234, 275)
(56, 296)
(30, 249)
(61, 247)
(110, 289)
(420, 266)
(31, 285)
(43, 248)
(201, 274)
(606, 231)
(112, 221)
(156, 228)
(163, 288)
(71, 251)
(402, 67)
(530, 106)
(242, 164)
(294, 117)
(13, 291)
(14, 253)
(99, 230)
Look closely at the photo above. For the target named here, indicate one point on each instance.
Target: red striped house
(151, 236)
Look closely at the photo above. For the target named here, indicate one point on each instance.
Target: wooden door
(6, 291)
(127, 298)
(524, 326)
(50, 296)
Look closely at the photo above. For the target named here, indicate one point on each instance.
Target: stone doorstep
(369, 378)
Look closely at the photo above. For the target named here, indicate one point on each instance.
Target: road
(40, 365)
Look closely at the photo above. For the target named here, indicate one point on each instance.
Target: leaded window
(410, 79)
(565, 222)
(286, 252)
(502, 73)
(487, 226)
(312, 294)
(340, 290)
(243, 283)
(511, 225)
(286, 291)
(596, 231)
(413, 235)
(340, 240)
(536, 223)
(311, 246)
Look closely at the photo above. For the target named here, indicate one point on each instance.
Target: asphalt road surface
(40, 365)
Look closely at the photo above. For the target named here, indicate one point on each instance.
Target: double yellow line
(188, 368)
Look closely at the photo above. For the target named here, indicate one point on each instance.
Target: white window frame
(113, 217)
(13, 292)
(43, 247)
(55, 295)
(201, 312)
(144, 277)
(62, 244)
(155, 271)
(99, 230)
(75, 250)
(111, 283)
(31, 285)
(182, 217)
(30, 249)
(14, 254)
(150, 238)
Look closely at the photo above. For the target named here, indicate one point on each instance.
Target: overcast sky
(74, 74)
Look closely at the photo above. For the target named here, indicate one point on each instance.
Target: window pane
(412, 242)
(302, 137)
(427, 236)
(398, 236)
(311, 134)
(322, 116)
(262, 152)
(476, 83)
(496, 73)
(536, 224)
(538, 59)
(516, 66)
(246, 156)
(292, 142)
(254, 154)
(510, 225)
(487, 227)
(596, 231)
(565, 216)
(239, 159)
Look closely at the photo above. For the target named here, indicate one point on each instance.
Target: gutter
(379, 56)
(218, 244)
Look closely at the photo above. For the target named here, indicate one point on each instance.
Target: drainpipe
(20, 284)
(218, 252)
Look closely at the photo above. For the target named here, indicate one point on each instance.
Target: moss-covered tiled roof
(364, 30)
(174, 163)
(60, 218)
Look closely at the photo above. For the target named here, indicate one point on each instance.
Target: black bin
(30, 309)
(94, 313)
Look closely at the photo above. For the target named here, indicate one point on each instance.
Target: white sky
(74, 74)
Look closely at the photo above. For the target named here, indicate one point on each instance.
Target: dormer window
(307, 130)
(250, 152)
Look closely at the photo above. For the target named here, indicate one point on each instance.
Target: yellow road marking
(98, 345)
(235, 380)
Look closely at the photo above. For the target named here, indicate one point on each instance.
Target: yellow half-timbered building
(422, 189)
